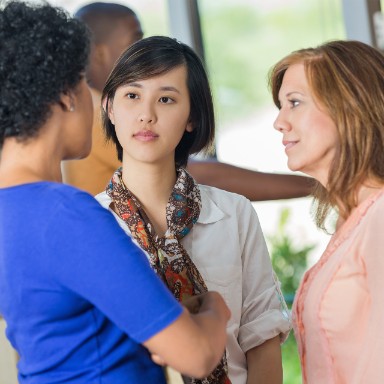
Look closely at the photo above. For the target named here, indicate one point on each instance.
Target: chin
(86, 150)
(79, 154)
(296, 166)
(293, 167)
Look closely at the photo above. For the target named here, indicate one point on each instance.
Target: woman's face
(310, 136)
(151, 116)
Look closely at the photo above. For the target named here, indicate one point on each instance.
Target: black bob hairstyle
(154, 56)
(43, 55)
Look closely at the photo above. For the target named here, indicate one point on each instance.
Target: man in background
(114, 28)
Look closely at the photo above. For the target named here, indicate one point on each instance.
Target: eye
(294, 103)
(132, 96)
(166, 100)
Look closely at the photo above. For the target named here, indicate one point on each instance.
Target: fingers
(193, 304)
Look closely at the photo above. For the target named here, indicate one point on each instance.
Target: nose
(145, 119)
(281, 124)
(147, 115)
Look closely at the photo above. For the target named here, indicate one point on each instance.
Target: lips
(145, 135)
(288, 144)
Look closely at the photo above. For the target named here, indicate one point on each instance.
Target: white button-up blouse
(228, 248)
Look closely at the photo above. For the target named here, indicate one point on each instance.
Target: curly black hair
(43, 54)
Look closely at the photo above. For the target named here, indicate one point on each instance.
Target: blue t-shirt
(77, 295)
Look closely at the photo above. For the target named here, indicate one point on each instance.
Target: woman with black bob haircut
(80, 301)
(153, 57)
(158, 110)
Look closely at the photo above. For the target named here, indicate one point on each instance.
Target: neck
(367, 189)
(152, 185)
(36, 159)
(27, 162)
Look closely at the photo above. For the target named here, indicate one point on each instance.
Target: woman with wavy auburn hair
(331, 115)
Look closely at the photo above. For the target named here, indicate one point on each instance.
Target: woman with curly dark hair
(80, 300)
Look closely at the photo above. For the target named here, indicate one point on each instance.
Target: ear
(189, 127)
(98, 53)
(108, 109)
(103, 60)
(67, 102)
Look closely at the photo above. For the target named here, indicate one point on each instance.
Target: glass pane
(243, 39)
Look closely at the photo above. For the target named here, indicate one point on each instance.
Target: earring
(71, 108)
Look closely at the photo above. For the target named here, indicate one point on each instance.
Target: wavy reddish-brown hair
(347, 79)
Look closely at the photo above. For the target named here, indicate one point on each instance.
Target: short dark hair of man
(100, 18)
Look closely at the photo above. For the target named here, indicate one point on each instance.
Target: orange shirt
(93, 173)
(338, 312)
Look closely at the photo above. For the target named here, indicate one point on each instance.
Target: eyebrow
(293, 92)
(164, 88)
(290, 94)
(287, 95)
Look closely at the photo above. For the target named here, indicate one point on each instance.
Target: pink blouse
(338, 311)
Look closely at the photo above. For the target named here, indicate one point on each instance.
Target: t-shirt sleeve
(265, 314)
(96, 260)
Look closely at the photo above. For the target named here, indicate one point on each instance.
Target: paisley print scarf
(167, 255)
